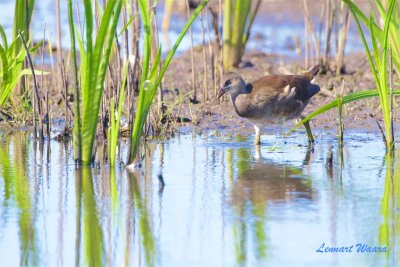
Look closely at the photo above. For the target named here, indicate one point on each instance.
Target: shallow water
(224, 203)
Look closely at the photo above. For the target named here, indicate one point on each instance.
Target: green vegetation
(151, 77)
(77, 108)
(238, 19)
(115, 119)
(249, 202)
(11, 67)
(17, 187)
(390, 206)
(378, 61)
(391, 20)
(337, 102)
(144, 224)
(100, 64)
(94, 61)
(12, 56)
(22, 20)
(93, 240)
(117, 216)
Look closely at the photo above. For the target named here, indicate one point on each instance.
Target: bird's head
(232, 83)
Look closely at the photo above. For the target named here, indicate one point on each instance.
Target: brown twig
(205, 81)
(194, 100)
(343, 32)
(48, 126)
(38, 99)
(64, 83)
(212, 57)
(328, 32)
(59, 50)
(311, 29)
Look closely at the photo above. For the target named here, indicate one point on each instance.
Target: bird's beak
(221, 92)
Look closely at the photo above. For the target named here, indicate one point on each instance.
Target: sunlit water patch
(224, 203)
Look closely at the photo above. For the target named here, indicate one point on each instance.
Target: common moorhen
(271, 99)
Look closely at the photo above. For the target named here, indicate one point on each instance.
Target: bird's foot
(257, 141)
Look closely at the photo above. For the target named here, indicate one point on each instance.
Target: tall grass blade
(333, 104)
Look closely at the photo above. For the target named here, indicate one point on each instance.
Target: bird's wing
(277, 87)
(281, 94)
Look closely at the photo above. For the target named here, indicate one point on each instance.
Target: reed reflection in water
(224, 203)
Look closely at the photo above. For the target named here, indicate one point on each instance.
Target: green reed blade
(4, 63)
(152, 88)
(236, 17)
(115, 120)
(365, 44)
(86, 72)
(334, 103)
(125, 28)
(144, 223)
(394, 32)
(103, 32)
(94, 61)
(385, 101)
(93, 240)
(375, 49)
(140, 110)
(227, 23)
(111, 133)
(393, 3)
(378, 66)
(77, 110)
(3, 38)
(11, 70)
(360, 15)
(22, 18)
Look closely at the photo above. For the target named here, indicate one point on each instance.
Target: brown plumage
(270, 99)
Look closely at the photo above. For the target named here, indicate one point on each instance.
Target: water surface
(224, 203)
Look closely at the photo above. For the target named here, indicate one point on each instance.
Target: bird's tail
(310, 74)
(312, 90)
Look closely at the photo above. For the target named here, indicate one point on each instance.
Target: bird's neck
(240, 100)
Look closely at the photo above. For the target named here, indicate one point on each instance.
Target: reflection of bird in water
(267, 181)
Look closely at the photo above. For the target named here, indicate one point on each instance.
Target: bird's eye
(227, 83)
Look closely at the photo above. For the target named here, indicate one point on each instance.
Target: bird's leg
(257, 141)
(308, 130)
(258, 152)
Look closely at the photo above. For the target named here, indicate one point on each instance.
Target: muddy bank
(184, 113)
